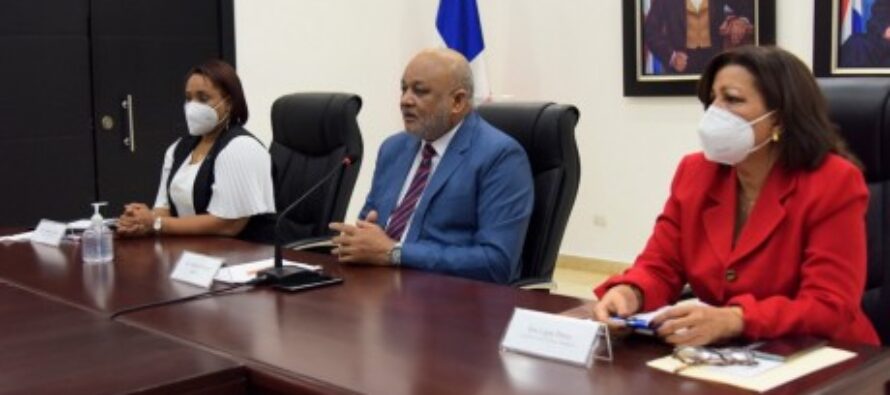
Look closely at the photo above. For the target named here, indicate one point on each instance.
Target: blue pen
(638, 325)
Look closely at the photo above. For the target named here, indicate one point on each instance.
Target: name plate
(49, 232)
(552, 336)
(196, 269)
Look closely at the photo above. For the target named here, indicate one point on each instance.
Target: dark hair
(224, 77)
(789, 88)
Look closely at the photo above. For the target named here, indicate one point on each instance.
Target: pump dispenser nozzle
(97, 216)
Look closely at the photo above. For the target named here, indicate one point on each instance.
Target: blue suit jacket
(473, 215)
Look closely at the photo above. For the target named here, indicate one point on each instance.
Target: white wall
(567, 51)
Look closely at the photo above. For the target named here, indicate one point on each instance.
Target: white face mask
(727, 138)
(201, 118)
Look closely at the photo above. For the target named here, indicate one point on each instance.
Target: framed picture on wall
(667, 43)
(851, 38)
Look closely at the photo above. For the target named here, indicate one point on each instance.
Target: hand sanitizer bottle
(97, 241)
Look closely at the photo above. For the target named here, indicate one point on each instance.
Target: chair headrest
(860, 109)
(545, 130)
(315, 123)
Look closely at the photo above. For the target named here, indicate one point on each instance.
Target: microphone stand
(279, 273)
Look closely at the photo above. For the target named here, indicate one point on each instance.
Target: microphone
(279, 273)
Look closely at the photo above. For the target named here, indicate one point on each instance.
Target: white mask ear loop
(224, 118)
(761, 145)
(760, 118)
(768, 139)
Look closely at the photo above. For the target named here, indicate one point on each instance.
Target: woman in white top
(216, 179)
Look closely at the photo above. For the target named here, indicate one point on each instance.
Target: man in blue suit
(451, 193)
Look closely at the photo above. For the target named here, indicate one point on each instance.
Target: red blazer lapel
(767, 214)
(719, 213)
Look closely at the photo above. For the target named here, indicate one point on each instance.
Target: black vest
(202, 190)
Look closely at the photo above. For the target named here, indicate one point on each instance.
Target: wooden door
(141, 51)
(46, 140)
(67, 66)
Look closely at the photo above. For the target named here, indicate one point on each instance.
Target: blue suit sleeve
(371, 200)
(506, 197)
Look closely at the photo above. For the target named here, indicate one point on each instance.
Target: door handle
(130, 140)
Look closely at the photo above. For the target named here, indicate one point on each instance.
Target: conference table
(51, 348)
(383, 330)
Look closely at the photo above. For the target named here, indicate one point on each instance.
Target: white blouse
(242, 184)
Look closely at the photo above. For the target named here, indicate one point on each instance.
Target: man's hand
(679, 61)
(697, 325)
(887, 34)
(364, 242)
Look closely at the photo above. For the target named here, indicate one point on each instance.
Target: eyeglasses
(696, 356)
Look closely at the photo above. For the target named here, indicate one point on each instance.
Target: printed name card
(196, 269)
(49, 232)
(552, 336)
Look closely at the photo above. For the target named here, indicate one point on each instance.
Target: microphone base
(278, 275)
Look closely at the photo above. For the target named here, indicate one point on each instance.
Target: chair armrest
(538, 284)
(315, 244)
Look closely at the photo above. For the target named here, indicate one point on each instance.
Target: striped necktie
(398, 221)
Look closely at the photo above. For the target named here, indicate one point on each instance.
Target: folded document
(764, 376)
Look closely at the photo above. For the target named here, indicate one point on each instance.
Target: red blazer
(798, 266)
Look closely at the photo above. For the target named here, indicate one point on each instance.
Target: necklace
(746, 203)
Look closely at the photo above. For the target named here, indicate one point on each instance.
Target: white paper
(49, 232)
(83, 224)
(763, 378)
(196, 269)
(742, 371)
(242, 273)
(78, 226)
(551, 336)
(25, 236)
(647, 317)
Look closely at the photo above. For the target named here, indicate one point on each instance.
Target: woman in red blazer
(767, 224)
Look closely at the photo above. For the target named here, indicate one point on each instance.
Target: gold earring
(776, 134)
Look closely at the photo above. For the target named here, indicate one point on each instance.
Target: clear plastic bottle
(97, 243)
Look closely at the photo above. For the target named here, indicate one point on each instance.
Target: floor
(577, 283)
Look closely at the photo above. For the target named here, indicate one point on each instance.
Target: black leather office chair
(547, 132)
(861, 109)
(311, 135)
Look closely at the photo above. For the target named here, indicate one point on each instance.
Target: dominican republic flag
(854, 16)
(459, 25)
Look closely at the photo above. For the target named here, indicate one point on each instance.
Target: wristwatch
(395, 254)
(157, 225)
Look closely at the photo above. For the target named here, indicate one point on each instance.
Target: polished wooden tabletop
(384, 330)
(139, 274)
(51, 348)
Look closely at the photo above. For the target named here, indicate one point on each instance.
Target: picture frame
(652, 64)
(851, 38)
